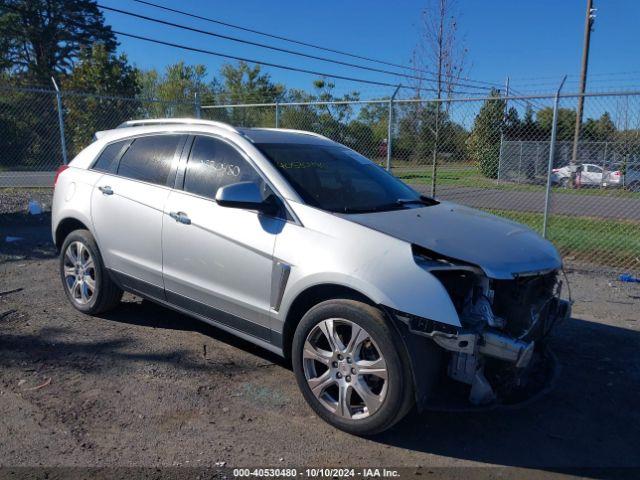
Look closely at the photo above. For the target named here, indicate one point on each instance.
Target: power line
(299, 42)
(268, 64)
(262, 45)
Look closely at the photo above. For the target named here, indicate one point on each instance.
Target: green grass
(614, 243)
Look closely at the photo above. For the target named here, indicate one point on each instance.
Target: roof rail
(175, 121)
(290, 130)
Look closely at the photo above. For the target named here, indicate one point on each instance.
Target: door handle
(106, 190)
(180, 217)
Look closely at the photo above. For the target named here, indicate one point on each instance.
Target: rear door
(218, 261)
(126, 209)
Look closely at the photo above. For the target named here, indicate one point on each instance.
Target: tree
(330, 118)
(375, 116)
(601, 130)
(566, 122)
(484, 140)
(42, 37)
(242, 83)
(174, 90)
(439, 44)
(107, 77)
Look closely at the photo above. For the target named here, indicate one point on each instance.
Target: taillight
(61, 169)
(555, 170)
(616, 173)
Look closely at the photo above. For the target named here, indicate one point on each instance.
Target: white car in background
(588, 174)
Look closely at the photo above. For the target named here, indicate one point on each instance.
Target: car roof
(283, 135)
(255, 135)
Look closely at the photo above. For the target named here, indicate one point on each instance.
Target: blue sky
(534, 42)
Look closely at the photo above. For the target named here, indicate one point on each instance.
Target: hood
(500, 247)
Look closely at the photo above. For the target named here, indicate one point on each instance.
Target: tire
(337, 373)
(564, 182)
(85, 280)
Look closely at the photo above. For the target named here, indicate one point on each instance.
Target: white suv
(380, 297)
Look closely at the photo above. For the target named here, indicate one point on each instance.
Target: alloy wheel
(79, 273)
(345, 369)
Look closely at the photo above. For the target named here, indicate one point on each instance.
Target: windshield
(337, 179)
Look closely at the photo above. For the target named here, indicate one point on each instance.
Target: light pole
(588, 26)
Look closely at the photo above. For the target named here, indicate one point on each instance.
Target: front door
(217, 260)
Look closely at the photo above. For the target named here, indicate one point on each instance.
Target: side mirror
(245, 195)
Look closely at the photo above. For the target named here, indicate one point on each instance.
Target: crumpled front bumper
(469, 352)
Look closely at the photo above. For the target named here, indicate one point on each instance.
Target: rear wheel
(351, 367)
(564, 182)
(85, 280)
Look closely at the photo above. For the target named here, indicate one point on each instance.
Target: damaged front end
(497, 356)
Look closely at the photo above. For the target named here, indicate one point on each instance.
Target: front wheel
(351, 366)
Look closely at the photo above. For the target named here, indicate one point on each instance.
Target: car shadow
(145, 313)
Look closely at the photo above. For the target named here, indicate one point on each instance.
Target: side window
(149, 159)
(214, 164)
(107, 160)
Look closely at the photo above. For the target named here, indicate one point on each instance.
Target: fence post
(390, 128)
(520, 163)
(500, 157)
(196, 104)
(552, 151)
(63, 143)
(277, 114)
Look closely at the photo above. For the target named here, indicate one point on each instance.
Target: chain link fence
(35, 139)
(508, 155)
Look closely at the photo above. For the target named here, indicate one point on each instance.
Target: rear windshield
(337, 179)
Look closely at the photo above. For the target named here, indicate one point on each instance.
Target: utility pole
(434, 172)
(588, 26)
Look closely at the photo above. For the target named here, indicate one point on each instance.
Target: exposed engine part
(480, 312)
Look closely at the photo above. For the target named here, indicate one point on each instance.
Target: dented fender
(342, 256)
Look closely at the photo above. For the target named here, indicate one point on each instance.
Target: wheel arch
(65, 227)
(310, 297)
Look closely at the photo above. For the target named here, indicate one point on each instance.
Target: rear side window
(214, 164)
(149, 159)
(107, 161)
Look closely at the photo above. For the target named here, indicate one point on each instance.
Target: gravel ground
(16, 200)
(144, 386)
